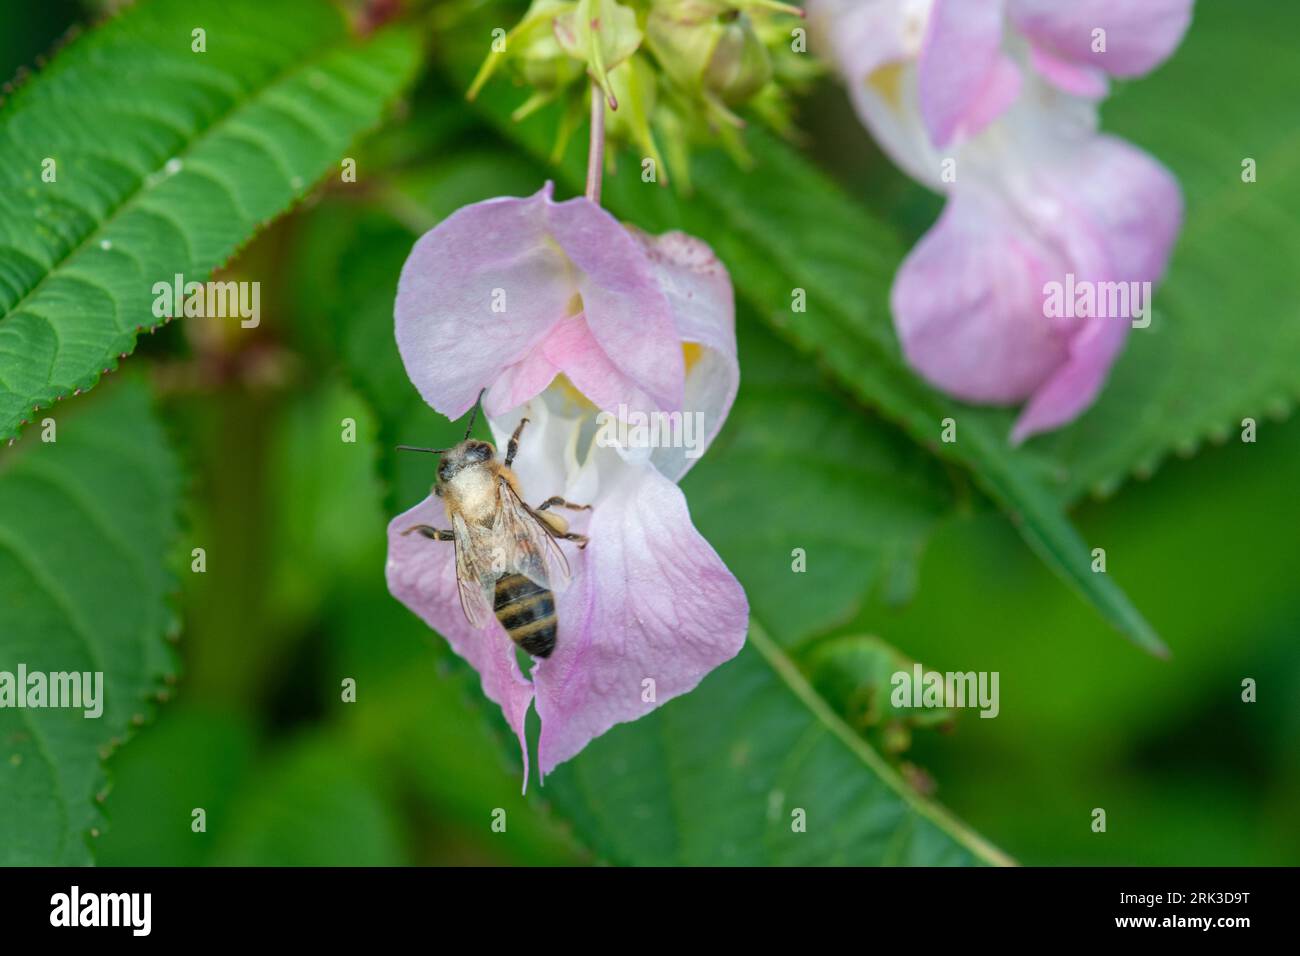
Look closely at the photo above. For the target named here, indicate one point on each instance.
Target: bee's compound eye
(479, 451)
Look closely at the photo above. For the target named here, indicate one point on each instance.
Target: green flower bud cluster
(676, 71)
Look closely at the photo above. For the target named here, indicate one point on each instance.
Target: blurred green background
(293, 601)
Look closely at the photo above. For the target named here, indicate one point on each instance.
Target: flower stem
(596, 151)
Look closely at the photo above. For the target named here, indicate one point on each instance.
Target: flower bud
(600, 33)
(709, 46)
(740, 65)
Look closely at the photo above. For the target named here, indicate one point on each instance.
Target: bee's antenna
(474, 413)
(432, 451)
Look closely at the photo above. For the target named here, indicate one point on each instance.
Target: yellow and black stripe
(527, 611)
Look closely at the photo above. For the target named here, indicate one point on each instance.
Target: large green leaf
(314, 805)
(784, 228)
(162, 778)
(755, 741)
(87, 525)
(164, 161)
(717, 778)
(1224, 342)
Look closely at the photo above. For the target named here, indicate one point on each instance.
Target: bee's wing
(527, 544)
(474, 576)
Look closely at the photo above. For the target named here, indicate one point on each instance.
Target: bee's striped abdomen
(527, 611)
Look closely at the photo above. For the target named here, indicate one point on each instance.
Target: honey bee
(507, 559)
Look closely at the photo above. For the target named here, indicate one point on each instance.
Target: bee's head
(469, 452)
(454, 460)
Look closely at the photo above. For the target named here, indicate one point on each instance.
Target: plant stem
(596, 151)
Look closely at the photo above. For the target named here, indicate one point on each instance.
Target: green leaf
(717, 778)
(164, 161)
(1224, 342)
(162, 777)
(784, 228)
(87, 523)
(325, 515)
(314, 805)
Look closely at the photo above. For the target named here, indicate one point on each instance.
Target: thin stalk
(596, 150)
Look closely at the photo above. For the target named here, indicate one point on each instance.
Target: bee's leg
(582, 539)
(513, 447)
(436, 534)
(559, 502)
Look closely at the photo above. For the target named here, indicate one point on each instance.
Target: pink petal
(968, 303)
(875, 46)
(861, 36)
(483, 290)
(422, 575)
(654, 602)
(451, 341)
(1131, 201)
(1140, 34)
(521, 381)
(704, 306)
(1074, 386)
(573, 347)
(964, 79)
(1133, 207)
(626, 311)
(1077, 79)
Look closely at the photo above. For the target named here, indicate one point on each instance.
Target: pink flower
(994, 102)
(561, 312)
